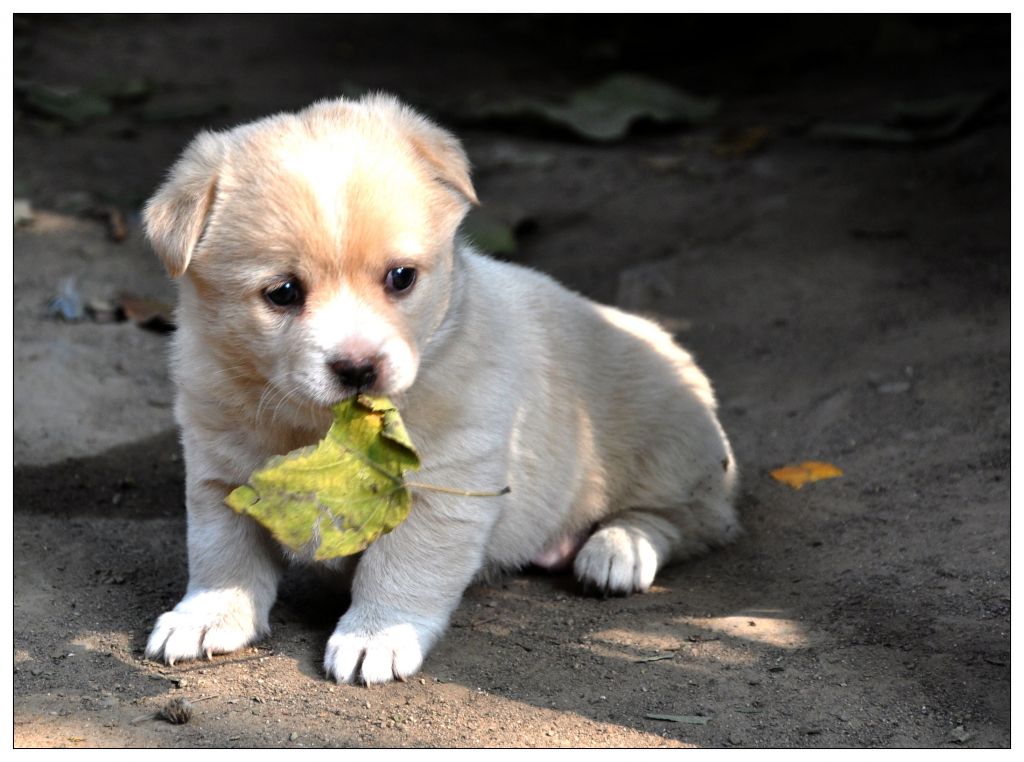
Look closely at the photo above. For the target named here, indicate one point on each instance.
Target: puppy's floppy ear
(438, 148)
(176, 215)
(444, 153)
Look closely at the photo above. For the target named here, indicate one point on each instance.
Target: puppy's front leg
(233, 574)
(406, 586)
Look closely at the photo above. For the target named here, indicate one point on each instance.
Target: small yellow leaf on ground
(808, 471)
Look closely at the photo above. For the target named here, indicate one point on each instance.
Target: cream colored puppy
(318, 257)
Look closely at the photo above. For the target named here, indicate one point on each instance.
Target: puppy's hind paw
(203, 624)
(617, 560)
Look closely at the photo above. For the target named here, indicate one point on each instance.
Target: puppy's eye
(287, 294)
(400, 279)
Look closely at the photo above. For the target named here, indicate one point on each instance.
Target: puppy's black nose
(357, 375)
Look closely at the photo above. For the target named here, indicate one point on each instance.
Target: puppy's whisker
(284, 398)
(279, 393)
(304, 407)
(234, 371)
(270, 393)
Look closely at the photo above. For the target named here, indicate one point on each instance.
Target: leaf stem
(462, 492)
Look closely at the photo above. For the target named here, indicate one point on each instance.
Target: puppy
(317, 256)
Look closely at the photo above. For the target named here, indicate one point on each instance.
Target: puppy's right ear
(176, 216)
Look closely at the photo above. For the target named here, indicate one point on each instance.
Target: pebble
(177, 711)
(22, 211)
(960, 735)
(102, 311)
(894, 387)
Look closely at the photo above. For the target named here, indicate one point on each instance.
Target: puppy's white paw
(618, 560)
(359, 652)
(204, 623)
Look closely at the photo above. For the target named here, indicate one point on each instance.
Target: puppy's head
(317, 247)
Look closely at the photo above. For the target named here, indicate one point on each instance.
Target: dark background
(784, 71)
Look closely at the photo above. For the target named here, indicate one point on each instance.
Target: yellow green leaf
(808, 471)
(335, 498)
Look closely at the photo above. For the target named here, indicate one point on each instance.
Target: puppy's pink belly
(559, 553)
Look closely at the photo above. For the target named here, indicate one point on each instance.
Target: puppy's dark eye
(400, 279)
(287, 294)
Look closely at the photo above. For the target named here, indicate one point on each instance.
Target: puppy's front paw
(204, 623)
(360, 651)
(617, 560)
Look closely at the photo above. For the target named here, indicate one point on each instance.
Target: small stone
(665, 163)
(102, 311)
(960, 734)
(293, 737)
(22, 211)
(894, 387)
(176, 711)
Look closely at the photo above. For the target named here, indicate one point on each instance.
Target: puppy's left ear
(437, 148)
(445, 155)
(176, 216)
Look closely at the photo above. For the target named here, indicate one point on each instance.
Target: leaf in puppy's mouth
(337, 497)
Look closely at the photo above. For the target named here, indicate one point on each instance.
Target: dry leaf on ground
(809, 471)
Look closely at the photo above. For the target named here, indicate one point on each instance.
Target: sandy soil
(851, 304)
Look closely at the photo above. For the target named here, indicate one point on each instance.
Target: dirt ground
(850, 302)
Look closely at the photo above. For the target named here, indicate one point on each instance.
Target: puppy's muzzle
(355, 374)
